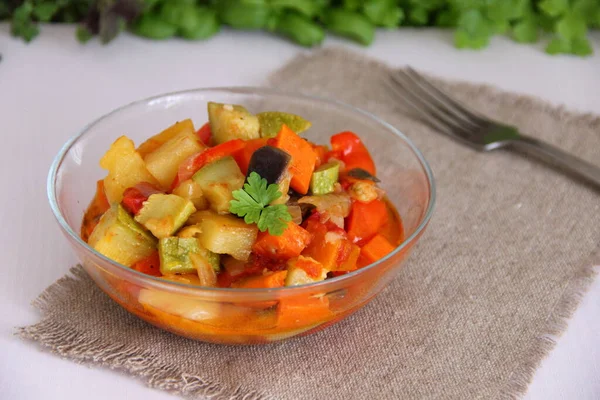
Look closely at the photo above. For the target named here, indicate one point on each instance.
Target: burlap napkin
(503, 265)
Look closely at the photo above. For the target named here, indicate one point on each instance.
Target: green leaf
(463, 40)
(22, 24)
(571, 26)
(447, 18)
(554, 8)
(419, 15)
(587, 9)
(526, 31)
(300, 29)
(546, 22)
(252, 203)
(520, 9)
(260, 191)
(274, 218)
(581, 47)
(473, 23)
(350, 24)
(200, 23)
(150, 25)
(245, 206)
(45, 11)
(242, 14)
(383, 12)
(307, 8)
(558, 45)
(500, 10)
(83, 34)
(351, 5)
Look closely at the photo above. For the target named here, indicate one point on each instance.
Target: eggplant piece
(360, 173)
(270, 163)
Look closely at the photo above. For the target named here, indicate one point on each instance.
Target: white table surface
(52, 87)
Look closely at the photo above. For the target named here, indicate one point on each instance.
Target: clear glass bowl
(240, 316)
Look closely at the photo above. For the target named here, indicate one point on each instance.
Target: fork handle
(559, 157)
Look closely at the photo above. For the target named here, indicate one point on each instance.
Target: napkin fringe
(71, 344)
(557, 322)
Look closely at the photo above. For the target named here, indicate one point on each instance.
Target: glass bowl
(240, 316)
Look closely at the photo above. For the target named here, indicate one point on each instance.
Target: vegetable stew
(243, 202)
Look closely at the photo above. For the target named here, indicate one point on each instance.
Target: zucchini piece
(228, 122)
(217, 180)
(179, 305)
(164, 214)
(164, 162)
(118, 237)
(184, 255)
(324, 178)
(271, 122)
(126, 168)
(226, 234)
(297, 271)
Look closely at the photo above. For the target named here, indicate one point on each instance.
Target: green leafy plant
(566, 22)
(252, 203)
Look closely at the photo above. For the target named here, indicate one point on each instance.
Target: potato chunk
(164, 162)
(126, 168)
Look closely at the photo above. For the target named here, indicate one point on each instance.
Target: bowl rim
(153, 281)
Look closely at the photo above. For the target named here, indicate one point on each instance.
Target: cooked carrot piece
(376, 248)
(365, 219)
(290, 244)
(302, 311)
(349, 263)
(313, 268)
(303, 158)
(321, 153)
(331, 248)
(268, 280)
(149, 265)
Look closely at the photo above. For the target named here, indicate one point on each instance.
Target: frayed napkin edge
(135, 361)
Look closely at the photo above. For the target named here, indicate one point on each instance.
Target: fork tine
(433, 109)
(470, 116)
(427, 117)
(433, 102)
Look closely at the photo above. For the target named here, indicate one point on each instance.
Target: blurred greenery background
(564, 24)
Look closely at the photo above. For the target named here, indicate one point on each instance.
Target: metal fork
(452, 118)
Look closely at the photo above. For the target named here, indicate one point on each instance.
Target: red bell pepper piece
(366, 219)
(205, 134)
(149, 265)
(134, 197)
(351, 150)
(196, 161)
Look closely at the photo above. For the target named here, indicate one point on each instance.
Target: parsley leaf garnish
(252, 203)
